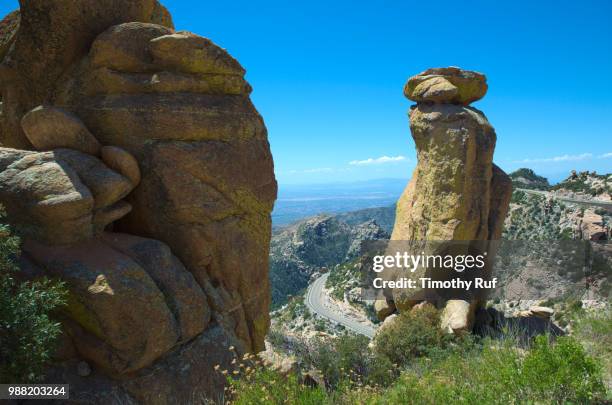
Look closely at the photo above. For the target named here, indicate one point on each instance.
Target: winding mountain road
(315, 302)
(595, 203)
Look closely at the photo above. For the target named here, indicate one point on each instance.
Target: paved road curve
(314, 302)
(595, 203)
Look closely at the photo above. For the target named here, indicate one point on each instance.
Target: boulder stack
(456, 193)
(449, 85)
(135, 168)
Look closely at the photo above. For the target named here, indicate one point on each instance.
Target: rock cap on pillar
(450, 85)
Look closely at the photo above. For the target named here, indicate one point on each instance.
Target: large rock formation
(111, 122)
(456, 193)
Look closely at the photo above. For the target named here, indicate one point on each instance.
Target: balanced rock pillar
(456, 192)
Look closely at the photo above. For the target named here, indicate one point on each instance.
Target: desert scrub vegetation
(553, 373)
(294, 309)
(342, 277)
(413, 334)
(588, 183)
(343, 283)
(349, 360)
(594, 331)
(547, 373)
(27, 332)
(438, 369)
(533, 217)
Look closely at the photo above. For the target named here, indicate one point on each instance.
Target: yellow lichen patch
(435, 89)
(83, 316)
(101, 286)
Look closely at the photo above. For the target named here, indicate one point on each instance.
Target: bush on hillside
(594, 331)
(549, 373)
(562, 371)
(349, 359)
(27, 333)
(413, 334)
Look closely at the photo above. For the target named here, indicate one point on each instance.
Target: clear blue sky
(328, 77)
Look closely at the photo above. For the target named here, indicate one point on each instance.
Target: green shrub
(27, 333)
(501, 374)
(348, 359)
(594, 331)
(562, 372)
(518, 196)
(319, 325)
(480, 378)
(413, 334)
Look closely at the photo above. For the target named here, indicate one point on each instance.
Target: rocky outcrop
(52, 37)
(136, 168)
(449, 85)
(62, 196)
(593, 227)
(49, 128)
(131, 300)
(456, 193)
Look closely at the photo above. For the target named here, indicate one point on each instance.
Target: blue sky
(328, 77)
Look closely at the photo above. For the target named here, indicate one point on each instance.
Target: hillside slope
(586, 185)
(526, 178)
(312, 246)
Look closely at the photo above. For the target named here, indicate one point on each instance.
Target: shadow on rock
(494, 324)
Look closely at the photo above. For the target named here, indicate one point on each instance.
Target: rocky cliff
(135, 168)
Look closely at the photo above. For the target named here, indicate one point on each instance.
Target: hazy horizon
(554, 179)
